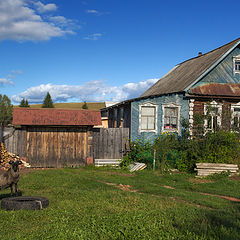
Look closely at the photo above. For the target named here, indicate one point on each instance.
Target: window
(235, 109)
(148, 118)
(236, 64)
(213, 112)
(170, 120)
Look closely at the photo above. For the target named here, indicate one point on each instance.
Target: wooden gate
(110, 143)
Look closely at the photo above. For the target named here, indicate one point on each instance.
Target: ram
(10, 177)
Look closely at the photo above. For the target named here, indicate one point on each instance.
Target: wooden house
(210, 79)
(53, 137)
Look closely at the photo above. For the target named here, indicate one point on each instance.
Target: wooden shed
(53, 137)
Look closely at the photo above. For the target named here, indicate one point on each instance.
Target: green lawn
(89, 203)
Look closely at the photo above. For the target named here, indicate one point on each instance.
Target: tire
(26, 203)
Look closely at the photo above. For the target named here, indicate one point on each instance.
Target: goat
(10, 177)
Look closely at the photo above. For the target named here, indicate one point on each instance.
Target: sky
(103, 50)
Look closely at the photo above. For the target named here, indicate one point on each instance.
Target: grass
(87, 203)
(91, 105)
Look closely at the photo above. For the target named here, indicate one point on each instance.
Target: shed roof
(56, 117)
(184, 75)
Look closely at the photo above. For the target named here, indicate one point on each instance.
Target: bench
(107, 162)
(205, 169)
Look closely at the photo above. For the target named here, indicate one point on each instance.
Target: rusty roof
(184, 75)
(217, 89)
(56, 117)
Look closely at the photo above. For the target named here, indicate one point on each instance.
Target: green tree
(47, 103)
(6, 109)
(24, 103)
(84, 106)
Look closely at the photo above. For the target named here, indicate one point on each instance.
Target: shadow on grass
(7, 195)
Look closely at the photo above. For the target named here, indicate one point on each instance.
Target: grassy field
(91, 105)
(89, 203)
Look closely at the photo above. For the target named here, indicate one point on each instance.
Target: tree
(48, 103)
(24, 103)
(6, 109)
(84, 106)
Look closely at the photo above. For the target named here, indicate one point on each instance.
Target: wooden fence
(66, 146)
(110, 143)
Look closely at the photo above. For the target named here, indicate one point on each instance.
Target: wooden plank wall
(15, 141)
(66, 146)
(109, 143)
(51, 146)
(57, 147)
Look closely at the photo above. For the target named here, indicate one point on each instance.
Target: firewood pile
(6, 157)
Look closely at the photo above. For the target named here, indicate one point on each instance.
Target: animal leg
(16, 188)
(11, 186)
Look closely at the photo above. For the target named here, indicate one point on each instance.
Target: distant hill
(91, 105)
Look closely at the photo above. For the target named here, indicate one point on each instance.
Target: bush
(183, 152)
(140, 151)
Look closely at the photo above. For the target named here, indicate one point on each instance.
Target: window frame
(212, 114)
(237, 114)
(150, 105)
(236, 59)
(171, 105)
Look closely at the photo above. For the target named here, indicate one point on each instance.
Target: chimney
(200, 54)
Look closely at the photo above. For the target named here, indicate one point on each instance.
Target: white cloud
(96, 12)
(92, 11)
(94, 36)
(5, 81)
(21, 20)
(45, 8)
(90, 91)
(8, 79)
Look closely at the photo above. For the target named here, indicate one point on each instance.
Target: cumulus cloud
(94, 36)
(90, 91)
(23, 20)
(45, 8)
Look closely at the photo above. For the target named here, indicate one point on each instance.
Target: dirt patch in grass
(221, 196)
(168, 187)
(237, 178)
(120, 174)
(200, 180)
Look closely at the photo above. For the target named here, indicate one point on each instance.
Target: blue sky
(103, 50)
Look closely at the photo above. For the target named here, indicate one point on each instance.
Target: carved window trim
(216, 118)
(235, 110)
(178, 108)
(155, 116)
(236, 65)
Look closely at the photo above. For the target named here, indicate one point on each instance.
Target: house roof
(217, 89)
(186, 74)
(56, 117)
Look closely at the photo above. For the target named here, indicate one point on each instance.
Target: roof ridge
(237, 39)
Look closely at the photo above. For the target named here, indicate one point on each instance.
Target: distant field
(91, 105)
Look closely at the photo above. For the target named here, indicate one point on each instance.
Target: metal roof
(217, 89)
(56, 117)
(186, 74)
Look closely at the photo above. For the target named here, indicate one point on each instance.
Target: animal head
(15, 165)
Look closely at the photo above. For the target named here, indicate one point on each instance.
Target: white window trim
(237, 105)
(235, 58)
(148, 104)
(219, 116)
(178, 106)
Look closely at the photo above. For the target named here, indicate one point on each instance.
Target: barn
(53, 137)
